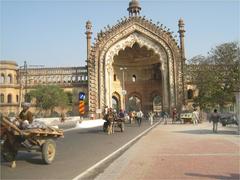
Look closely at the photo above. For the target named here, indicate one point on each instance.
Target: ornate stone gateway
(135, 60)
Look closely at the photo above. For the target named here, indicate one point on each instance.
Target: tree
(49, 97)
(216, 76)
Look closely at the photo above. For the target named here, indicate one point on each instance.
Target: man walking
(164, 116)
(150, 116)
(139, 117)
(215, 118)
(195, 117)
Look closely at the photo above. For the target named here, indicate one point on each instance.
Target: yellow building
(16, 81)
(9, 88)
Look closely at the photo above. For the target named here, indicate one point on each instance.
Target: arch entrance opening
(136, 75)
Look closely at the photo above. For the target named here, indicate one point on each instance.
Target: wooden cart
(118, 122)
(14, 139)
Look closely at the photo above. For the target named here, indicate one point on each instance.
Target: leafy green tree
(217, 75)
(49, 97)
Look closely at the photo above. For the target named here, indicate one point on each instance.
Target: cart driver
(121, 114)
(25, 115)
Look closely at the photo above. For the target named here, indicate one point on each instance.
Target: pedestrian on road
(195, 116)
(174, 115)
(215, 119)
(164, 116)
(139, 117)
(150, 116)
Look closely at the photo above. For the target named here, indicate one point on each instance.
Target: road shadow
(98, 132)
(208, 131)
(31, 157)
(91, 131)
(215, 176)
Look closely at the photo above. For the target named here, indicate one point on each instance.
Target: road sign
(81, 107)
(82, 96)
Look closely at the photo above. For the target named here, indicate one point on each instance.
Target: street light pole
(25, 70)
(20, 89)
(123, 86)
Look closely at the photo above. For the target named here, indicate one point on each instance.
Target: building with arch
(135, 58)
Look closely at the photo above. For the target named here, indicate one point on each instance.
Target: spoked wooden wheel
(48, 151)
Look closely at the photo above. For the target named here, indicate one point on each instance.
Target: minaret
(89, 36)
(181, 32)
(134, 8)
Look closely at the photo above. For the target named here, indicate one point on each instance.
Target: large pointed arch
(125, 34)
(144, 38)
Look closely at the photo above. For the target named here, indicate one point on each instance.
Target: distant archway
(115, 103)
(134, 103)
(157, 103)
(190, 94)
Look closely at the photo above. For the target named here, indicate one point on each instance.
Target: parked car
(228, 118)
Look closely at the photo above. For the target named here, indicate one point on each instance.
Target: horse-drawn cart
(117, 122)
(14, 139)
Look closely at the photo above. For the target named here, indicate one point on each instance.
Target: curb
(100, 166)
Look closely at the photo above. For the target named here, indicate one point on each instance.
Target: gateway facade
(135, 62)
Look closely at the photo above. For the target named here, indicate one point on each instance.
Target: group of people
(131, 116)
(214, 118)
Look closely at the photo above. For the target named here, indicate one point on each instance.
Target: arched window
(9, 98)
(2, 98)
(15, 79)
(9, 79)
(17, 98)
(115, 103)
(2, 80)
(190, 94)
(73, 78)
(114, 77)
(134, 78)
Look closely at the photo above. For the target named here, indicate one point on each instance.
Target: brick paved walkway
(180, 152)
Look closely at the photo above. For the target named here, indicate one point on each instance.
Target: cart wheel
(122, 127)
(8, 152)
(48, 151)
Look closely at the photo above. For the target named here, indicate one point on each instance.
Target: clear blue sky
(52, 32)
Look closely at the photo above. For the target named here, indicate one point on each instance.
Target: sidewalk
(180, 152)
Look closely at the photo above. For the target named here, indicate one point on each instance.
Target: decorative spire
(181, 26)
(134, 8)
(88, 26)
(89, 37)
(181, 32)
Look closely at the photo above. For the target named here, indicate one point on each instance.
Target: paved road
(76, 152)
